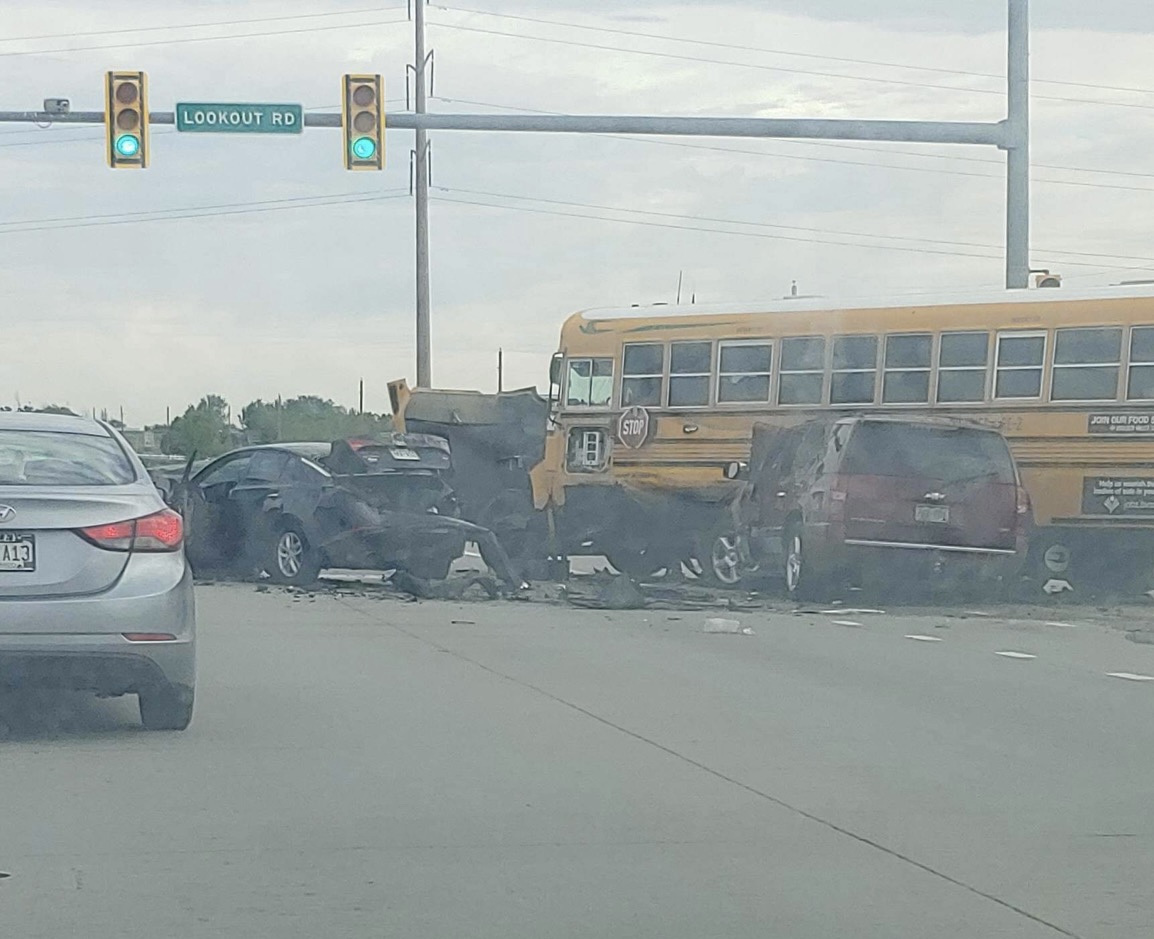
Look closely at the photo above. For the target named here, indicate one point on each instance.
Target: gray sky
(294, 300)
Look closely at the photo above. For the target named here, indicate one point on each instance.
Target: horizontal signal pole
(947, 132)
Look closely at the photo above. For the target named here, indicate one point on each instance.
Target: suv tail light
(163, 531)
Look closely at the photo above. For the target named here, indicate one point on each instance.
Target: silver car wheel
(793, 563)
(726, 559)
(290, 551)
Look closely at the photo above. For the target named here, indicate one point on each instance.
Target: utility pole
(424, 344)
(1017, 148)
(500, 370)
(362, 397)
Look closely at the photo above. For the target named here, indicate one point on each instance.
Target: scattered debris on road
(730, 627)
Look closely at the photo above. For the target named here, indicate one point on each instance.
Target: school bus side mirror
(555, 369)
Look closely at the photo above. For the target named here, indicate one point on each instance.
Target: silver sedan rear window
(47, 458)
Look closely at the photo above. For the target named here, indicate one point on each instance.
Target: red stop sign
(633, 427)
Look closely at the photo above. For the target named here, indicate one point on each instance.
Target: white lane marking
(861, 612)
(918, 638)
(1130, 676)
(1016, 655)
(1064, 625)
(470, 553)
(845, 622)
(977, 613)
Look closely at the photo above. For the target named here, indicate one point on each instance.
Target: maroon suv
(871, 498)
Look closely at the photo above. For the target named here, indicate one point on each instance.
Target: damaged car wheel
(294, 561)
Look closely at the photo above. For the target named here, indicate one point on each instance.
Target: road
(368, 767)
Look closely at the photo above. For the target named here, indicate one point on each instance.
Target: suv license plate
(17, 552)
(404, 453)
(939, 514)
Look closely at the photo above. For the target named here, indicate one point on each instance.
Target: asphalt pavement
(362, 766)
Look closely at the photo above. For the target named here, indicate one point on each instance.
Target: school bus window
(855, 360)
(962, 359)
(1086, 364)
(643, 371)
(802, 370)
(907, 369)
(1018, 370)
(690, 368)
(1141, 384)
(589, 383)
(743, 372)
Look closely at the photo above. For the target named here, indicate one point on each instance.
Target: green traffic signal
(127, 145)
(364, 148)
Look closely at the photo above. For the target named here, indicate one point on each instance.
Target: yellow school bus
(651, 404)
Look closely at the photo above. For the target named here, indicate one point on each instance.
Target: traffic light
(126, 119)
(363, 121)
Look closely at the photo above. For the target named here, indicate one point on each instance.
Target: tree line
(205, 428)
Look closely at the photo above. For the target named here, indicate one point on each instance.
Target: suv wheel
(165, 707)
(800, 582)
(292, 559)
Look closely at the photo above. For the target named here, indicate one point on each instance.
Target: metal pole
(1018, 148)
(500, 370)
(963, 132)
(424, 353)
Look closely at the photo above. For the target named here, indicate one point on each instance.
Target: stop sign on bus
(633, 427)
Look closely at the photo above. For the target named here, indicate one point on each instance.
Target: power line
(749, 234)
(778, 68)
(153, 29)
(798, 228)
(786, 52)
(237, 208)
(168, 42)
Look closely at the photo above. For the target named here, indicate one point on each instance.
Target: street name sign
(240, 118)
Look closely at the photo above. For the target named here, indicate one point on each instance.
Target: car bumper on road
(82, 642)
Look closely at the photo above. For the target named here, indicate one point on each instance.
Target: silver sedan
(95, 591)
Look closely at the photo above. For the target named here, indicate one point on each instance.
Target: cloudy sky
(252, 267)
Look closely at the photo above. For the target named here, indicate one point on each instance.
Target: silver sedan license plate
(17, 552)
(939, 514)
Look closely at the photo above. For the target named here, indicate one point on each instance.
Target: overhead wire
(187, 39)
(761, 50)
(777, 68)
(188, 212)
(759, 224)
(170, 26)
(766, 235)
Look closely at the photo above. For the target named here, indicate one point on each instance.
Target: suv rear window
(43, 458)
(940, 453)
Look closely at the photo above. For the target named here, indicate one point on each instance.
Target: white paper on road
(730, 627)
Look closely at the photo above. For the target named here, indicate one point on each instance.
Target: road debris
(731, 627)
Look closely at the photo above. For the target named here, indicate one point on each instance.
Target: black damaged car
(291, 509)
